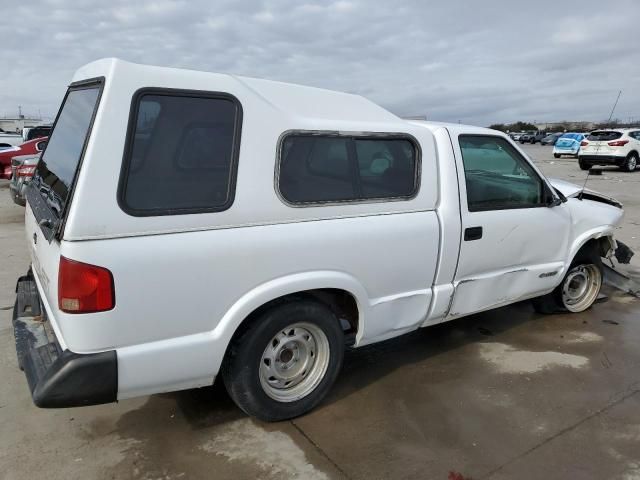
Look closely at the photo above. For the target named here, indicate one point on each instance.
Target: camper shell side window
(329, 167)
(181, 152)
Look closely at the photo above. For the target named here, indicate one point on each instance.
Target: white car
(184, 225)
(619, 146)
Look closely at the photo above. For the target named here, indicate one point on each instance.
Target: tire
(567, 296)
(299, 342)
(583, 165)
(556, 155)
(533, 141)
(630, 163)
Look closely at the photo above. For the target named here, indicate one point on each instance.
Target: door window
(497, 176)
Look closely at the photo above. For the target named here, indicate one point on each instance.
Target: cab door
(515, 231)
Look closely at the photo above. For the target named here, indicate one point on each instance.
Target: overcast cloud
(477, 62)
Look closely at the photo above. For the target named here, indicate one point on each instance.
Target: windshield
(573, 136)
(57, 168)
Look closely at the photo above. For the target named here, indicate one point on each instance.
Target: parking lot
(503, 394)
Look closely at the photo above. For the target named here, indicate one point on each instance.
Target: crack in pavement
(631, 392)
(319, 449)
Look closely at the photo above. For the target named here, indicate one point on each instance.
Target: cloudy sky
(470, 61)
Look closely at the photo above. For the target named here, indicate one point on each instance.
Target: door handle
(472, 233)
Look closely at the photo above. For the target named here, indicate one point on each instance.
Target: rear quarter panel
(168, 286)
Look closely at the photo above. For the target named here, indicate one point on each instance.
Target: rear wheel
(583, 165)
(285, 363)
(533, 141)
(579, 288)
(631, 162)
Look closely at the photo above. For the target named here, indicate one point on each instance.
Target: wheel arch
(601, 241)
(339, 291)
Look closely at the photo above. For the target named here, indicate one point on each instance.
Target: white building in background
(560, 126)
(16, 124)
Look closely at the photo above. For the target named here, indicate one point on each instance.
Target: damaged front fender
(623, 253)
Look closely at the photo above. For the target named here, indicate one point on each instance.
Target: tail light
(584, 143)
(618, 143)
(25, 171)
(84, 288)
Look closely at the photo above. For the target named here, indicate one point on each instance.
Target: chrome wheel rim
(294, 362)
(632, 163)
(581, 287)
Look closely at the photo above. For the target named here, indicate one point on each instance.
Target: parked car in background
(8, 140)
(30, 133)
(619, 146)
(22, 168)
(532, 137)
(27, 148)
(568, 144)
(138, 285)
(524, 138)
(516, 136)
(551, 138)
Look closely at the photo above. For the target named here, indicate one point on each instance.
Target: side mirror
(554, 202)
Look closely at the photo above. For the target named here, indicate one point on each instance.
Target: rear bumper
(602, 159)
(58, 378)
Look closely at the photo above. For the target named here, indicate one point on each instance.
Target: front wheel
(285, 363)
(556, 155)
(579, 289)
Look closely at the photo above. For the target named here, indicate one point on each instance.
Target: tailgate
(45, 258)
(50, 192)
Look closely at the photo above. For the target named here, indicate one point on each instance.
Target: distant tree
(513, 127)
(520, 126)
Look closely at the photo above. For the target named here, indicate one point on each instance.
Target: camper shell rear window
(58, 168)
(181, 152)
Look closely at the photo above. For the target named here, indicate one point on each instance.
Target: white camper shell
(185, 224)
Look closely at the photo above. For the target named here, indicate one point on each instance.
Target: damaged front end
(610, 247)
(571, 190)
(623, 253)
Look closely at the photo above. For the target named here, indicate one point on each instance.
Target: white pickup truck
(8, 140)
(184, 225)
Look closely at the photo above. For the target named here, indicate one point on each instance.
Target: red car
(27, 148)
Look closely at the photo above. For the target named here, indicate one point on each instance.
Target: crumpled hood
(571, 190)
